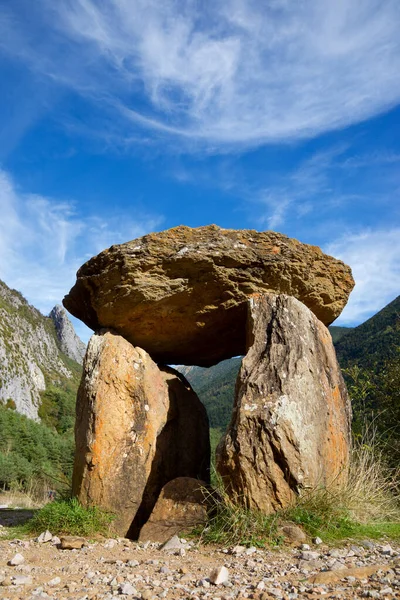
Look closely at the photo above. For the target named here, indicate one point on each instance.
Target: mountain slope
(374, 342)
(338, 332)
(215, 386)
(70, 343)
(31, 360)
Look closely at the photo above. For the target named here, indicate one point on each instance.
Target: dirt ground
(112, 568)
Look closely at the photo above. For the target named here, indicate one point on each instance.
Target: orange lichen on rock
(137, 427)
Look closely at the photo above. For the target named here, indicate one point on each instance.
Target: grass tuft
(69, 517)
(366, 505)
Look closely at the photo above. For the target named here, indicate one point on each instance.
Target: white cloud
(374, 257)
(242, 72)
(298, 192)
(44, 242)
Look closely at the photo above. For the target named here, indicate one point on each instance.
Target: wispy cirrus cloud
(243, 72)
(374, 257)
(43, 242)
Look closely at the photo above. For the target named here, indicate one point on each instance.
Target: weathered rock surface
(181, 294)
(290, 427)
(137, 428)
(30, 358)
(70, 343)
(180, 506)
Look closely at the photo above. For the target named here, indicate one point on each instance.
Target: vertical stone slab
(290, 427)
(138, 426)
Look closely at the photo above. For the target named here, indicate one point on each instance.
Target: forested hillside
(370, 358)
(39, 381)
(338, 332)
(374, 342)
(215, 387)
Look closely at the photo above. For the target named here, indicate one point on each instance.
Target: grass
(68, 517)
(367, 505)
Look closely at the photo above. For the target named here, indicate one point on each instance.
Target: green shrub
(68, 517)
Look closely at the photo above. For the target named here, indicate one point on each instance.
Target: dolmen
(196, 296)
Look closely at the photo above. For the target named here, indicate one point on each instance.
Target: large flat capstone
(181, 294)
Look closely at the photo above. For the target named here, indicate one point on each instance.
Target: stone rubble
(109, 569)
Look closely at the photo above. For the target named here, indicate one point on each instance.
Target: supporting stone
(138, 426)
(181, 506)
(290, 428)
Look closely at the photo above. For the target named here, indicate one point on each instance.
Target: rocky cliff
(31, 359)
(70, 343)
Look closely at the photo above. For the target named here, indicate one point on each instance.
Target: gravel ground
(121, 568)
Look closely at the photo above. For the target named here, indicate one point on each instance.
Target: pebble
(44, 537)
(173, 544)
(22, 580)
(127, 589)
(309, 555)
(317, 541)
(104, 571)
(219, 575)
(18, 559)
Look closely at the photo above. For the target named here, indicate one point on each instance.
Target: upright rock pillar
(138, 427)
(290, 428)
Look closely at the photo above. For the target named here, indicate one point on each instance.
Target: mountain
(34, 371)
(70, 343)
(374, 342)
(338, 332)
(215, 386)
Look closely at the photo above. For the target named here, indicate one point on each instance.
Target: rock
(196, 282)
(309, 555)
(310, 565)
(368, 544)
(180, 506)
(44, 537)
(18, 559)
(70, 343)
(317, 541)
(70, 542)
(237, 550)
(293, 534)
(22, 580)
(219, 575)
(138, 426)
(55, 540)
(127, 589)
(290, 428)
(328, 577)
(55, 581)
(173, 543)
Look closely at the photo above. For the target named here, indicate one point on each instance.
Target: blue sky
(121, 117)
